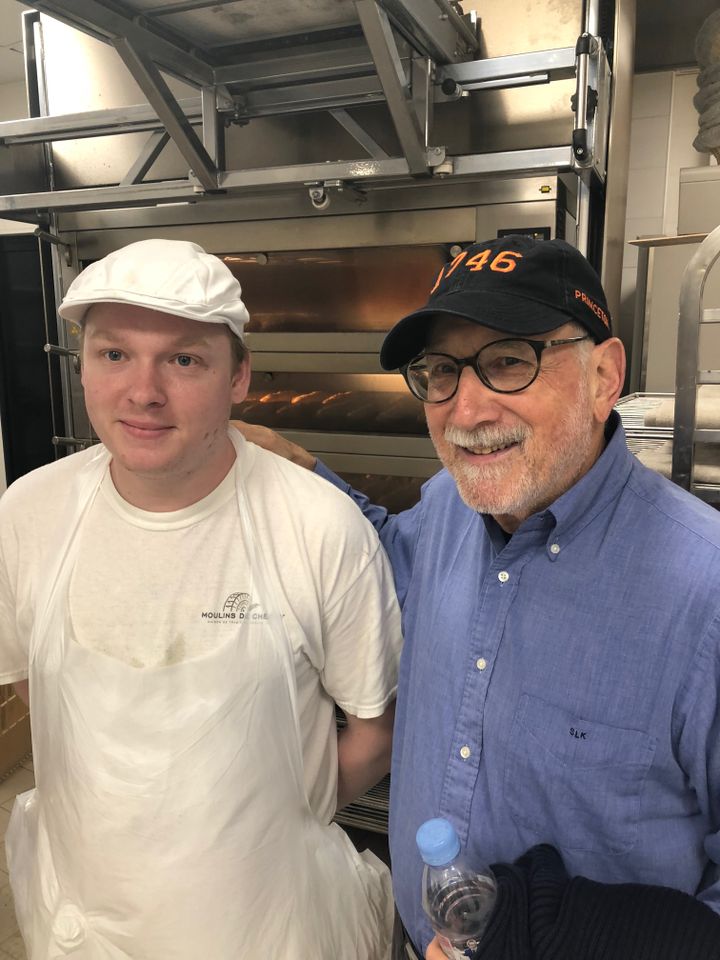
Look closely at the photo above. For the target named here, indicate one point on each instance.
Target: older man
(189, 609)
(559, 681)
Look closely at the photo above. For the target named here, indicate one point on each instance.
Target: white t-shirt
(153, 589)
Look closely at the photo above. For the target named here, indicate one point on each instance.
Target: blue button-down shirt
(560, 686)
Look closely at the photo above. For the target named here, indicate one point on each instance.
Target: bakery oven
(317, 321)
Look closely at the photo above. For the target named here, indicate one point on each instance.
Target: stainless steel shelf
(369, 812)
(632, 410)
(641, 438)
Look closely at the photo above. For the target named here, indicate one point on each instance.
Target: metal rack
(369, 812)
(633, 408)
(687, 377)
(693, 315)
(640, 437)
(641, 320)
(322, 56)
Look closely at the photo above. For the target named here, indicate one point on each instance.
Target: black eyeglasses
(505, 366)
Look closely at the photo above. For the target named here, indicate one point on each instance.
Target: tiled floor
(11, 945)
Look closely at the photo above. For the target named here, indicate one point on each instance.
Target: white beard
(507, 487)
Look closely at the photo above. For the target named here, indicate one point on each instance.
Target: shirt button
(465, 752)
(555, 548)
(481, 663)
(503, 576)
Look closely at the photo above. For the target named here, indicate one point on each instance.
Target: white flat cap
(171, 276)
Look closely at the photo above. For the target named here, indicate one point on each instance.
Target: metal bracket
(590, 105)
(72, 355)
(154, 146)
(213, 131)
(359, 134)
(581, 145)
(691, 316)
(435, 28)
(81, 442)
(499, 73)
(224, 100)
(320, 197)
(51, 238)
(378, 33)
(152, 84)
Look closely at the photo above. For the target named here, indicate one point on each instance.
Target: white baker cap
(171, 276)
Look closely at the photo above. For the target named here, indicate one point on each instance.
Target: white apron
(170, 820)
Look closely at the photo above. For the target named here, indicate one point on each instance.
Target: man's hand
(434, 951)
(275, 443)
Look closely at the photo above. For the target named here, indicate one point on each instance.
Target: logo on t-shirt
(237, 607)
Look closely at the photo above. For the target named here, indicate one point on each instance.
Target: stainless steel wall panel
(444, 195)
(22, 169)
(699, 206)
(526, 117)
(248, 21)
(519, 216)
(376, 230)
(82, 73)
(302, 65)
(521, 26)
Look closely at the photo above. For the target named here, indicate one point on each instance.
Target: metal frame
(403, 52)
(687, 375)
(61, 254)
(641, 319)
(379, 35)
(158, 94)
(358, 173)
(91, 123)
(542, 66)
(618, 147)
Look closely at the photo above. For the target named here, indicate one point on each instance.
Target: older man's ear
(608, 376)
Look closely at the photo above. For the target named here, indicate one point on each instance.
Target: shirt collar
(573, 510)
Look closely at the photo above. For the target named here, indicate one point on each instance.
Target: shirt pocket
(575, 783)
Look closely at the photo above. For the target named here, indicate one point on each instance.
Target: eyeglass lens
(507, 365)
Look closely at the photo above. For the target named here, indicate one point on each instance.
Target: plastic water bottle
(457, 899)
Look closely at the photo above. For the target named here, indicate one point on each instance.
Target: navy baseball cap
(515, 285)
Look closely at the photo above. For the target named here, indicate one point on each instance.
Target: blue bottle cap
(437, 842)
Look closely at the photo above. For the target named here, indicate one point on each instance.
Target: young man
(560, 675)
(189, 610)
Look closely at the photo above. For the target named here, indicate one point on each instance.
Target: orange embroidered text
(597, 310)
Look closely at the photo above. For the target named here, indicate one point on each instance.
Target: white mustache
(486, 436)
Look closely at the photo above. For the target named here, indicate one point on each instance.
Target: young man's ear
(609, 376)
(241, 381)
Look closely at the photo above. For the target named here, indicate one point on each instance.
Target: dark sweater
(542, 914)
